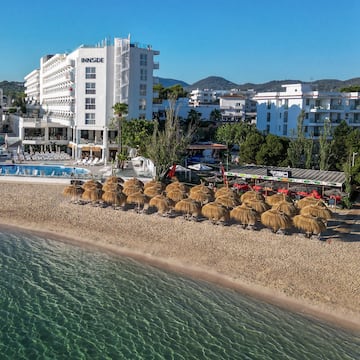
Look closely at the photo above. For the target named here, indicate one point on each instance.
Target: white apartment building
(237, 107)
(199, 97)
(277, 112)
(71, 96)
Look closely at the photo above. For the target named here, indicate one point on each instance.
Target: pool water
(42, 170)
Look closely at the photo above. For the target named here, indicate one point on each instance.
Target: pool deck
(97, 171)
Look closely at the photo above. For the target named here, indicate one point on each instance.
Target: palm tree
(120, 112)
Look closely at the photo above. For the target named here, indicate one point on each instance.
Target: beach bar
(291, 179)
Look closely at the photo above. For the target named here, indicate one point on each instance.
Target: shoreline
(198, 250)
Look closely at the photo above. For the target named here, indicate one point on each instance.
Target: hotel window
(143, 59)
(90, 88)
(143, 74)
(268, 104)
(307, 102)
(286, 103)
(142, 89)
(285, 127)
(142, 105)
(90, 103)
(90, 73)
(89, 119)
(268, 117)
(286, 116)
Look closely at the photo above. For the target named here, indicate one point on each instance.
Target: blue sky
(239, 40)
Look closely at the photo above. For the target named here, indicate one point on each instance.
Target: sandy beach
(318, 278)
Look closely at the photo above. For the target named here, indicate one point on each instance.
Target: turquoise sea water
(58, 301)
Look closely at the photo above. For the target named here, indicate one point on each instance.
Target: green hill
(12, 87)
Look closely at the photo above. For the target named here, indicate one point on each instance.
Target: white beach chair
(94, 162)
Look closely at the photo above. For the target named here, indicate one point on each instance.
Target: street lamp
(353, 158)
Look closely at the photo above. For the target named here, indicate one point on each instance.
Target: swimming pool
(42, 170)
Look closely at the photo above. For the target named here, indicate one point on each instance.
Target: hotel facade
(277, 112)
(70, 98)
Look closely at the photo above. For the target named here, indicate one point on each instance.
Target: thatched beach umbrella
(309, 224)
(112, 186)
(93, 194)
(161, 203)
(114, 179)
(152, 191)
(176, 194)
(139, 199)
(228, 201)
(309, 200)
(188, 207)
(154, 182)
(215, 212)
(244, 214)
(74, 191)
(277, 198)
(249, 195)
(132, 189)
(203, 188)
(286, 207)
(89, 184)
(201, 196)
(259, 206)
(133, 182)
(225, 191)
(275, 220)
(176, 185)
(317, 211)
(114, 198)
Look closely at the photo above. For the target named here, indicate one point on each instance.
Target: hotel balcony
(156, 66)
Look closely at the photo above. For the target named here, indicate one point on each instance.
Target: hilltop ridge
(219, 83)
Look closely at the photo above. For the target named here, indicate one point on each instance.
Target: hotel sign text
(92, 60)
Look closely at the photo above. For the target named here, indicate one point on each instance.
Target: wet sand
(313, 277)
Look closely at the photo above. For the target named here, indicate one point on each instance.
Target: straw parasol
(251, 195)
(309, 224)
(225, 191)
(176, 194)
(114, 179)
(74, 191)
(309, 200)
(276, 198)
(317, 211)
(259, 206)
(152, 191)
(138, 198)
(215, 212)
(176, 185)
(132, 182)
(93, 194)
(112, 186)
(161, 203)
(202, 188)
(154, 182)
(244, 214)
(188, 207)
(114, 198)
(131, 189)
(228, 201)
(287, 207)
(201, 196)
(275, 220)
(89, 184)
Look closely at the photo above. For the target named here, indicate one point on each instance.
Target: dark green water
(58, 301)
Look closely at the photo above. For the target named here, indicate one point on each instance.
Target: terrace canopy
(290, 177)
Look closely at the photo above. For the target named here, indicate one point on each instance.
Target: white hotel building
(277, 112)
(70, 98)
